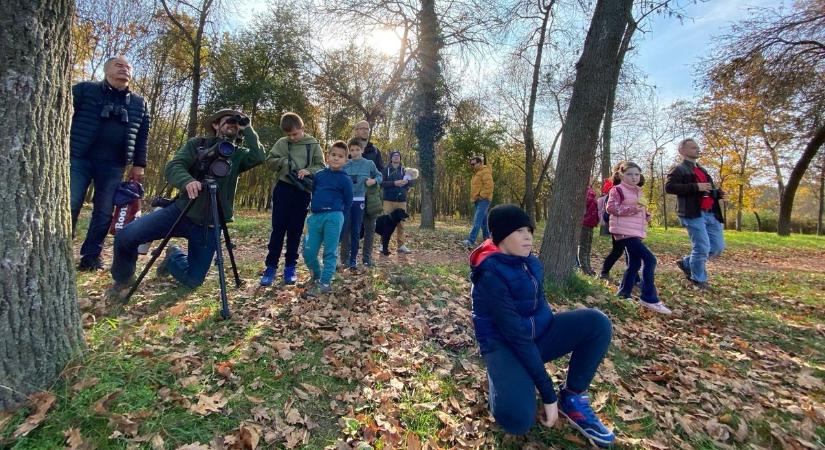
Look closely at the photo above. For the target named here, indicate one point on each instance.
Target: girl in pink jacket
(628, 223)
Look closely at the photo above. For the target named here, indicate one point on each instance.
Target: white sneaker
(404, 249)
(658, 307)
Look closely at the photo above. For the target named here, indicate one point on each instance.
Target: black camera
(161, 202)
(715, 194)
(214, 161)
(238, 119)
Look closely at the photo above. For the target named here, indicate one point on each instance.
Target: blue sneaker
(290, 277)
(269, 276)
(576, 408)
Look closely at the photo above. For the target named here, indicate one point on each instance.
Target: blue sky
(670, 52)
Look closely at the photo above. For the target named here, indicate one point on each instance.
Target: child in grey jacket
(363, 173)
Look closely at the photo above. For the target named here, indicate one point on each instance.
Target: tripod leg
(229, 245)
(157, 251)
(216, 225)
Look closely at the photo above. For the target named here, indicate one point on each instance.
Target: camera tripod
(218, 226)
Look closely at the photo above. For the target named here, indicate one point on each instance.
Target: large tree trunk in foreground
(786, 202)
(39, 319)
(594, 81)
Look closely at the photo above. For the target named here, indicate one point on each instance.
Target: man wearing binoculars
(110, 128)
(697, 204)
(230, 148)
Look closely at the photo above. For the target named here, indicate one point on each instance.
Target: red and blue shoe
(576, 408)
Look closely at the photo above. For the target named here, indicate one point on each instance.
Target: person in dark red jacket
(517, 333)
(589, 221)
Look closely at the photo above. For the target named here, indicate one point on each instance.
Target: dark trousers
(351, 233)
(616, 251)
(585, 333)
(289, 210)
(638, 253)
(106, 176)
(189, 268)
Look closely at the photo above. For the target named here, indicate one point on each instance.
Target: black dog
(385, 226)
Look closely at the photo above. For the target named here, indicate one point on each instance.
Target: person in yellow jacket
(481, 194)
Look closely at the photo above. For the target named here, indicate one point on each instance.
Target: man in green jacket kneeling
(183, 172)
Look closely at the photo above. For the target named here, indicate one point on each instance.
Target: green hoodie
(278, 162)
(243, 159)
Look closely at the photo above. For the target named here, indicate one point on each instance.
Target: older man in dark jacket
(110, 128)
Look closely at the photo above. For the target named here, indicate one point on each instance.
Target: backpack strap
(309, 149)
(621, 194)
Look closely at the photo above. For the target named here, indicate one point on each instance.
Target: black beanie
(505, 219)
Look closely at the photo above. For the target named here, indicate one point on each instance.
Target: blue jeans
(106, 176)
(585, 333)
(480, 221)
(706, 236)
(638, 253)
(323, 228)
(289, 209)
(189, 269)
(351, 232)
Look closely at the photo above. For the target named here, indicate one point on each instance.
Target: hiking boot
(116, 293)
(606, 277)
(467, 243)
(683, 267)
(385, 252)
(268, 276)
(701, 285)
(576, 408)
(657, 307)
(368, 264)
(90, 263)
(163, 268)
(290, 277)
(403, 249)
(319, 289)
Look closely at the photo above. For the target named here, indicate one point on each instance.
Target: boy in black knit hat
(517, 333)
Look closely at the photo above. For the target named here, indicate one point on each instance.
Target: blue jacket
(89, 99)
(332, 191)
(392, 192)
(509, 308)
(359, 170)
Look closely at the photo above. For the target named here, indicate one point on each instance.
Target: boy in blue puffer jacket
(517, 333)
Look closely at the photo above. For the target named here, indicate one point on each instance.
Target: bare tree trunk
(819, 231)
(786, 201)
(529, 200)
(664, 193)
(39, 319)
(196, 45)
(775, 160)
(577, 152)
(741, 197)
(607, 128)
(429, 123)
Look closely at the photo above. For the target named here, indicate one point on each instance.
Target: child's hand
(551, 414)
(302, 173)
(370, 181)
(400, 183)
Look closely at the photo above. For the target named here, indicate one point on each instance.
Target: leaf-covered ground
(389, 361)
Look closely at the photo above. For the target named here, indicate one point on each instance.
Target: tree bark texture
(429, 121)
(529, 138)
(607, 128)
(577, 152)
(786, 201)
(39, 319)
(821, 209)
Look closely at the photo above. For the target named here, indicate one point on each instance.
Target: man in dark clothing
(110, 128)
(189, 269)
(699, 211)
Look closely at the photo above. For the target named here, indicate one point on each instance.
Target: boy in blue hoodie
(517, 333)
(363, 173)
(331, 196)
